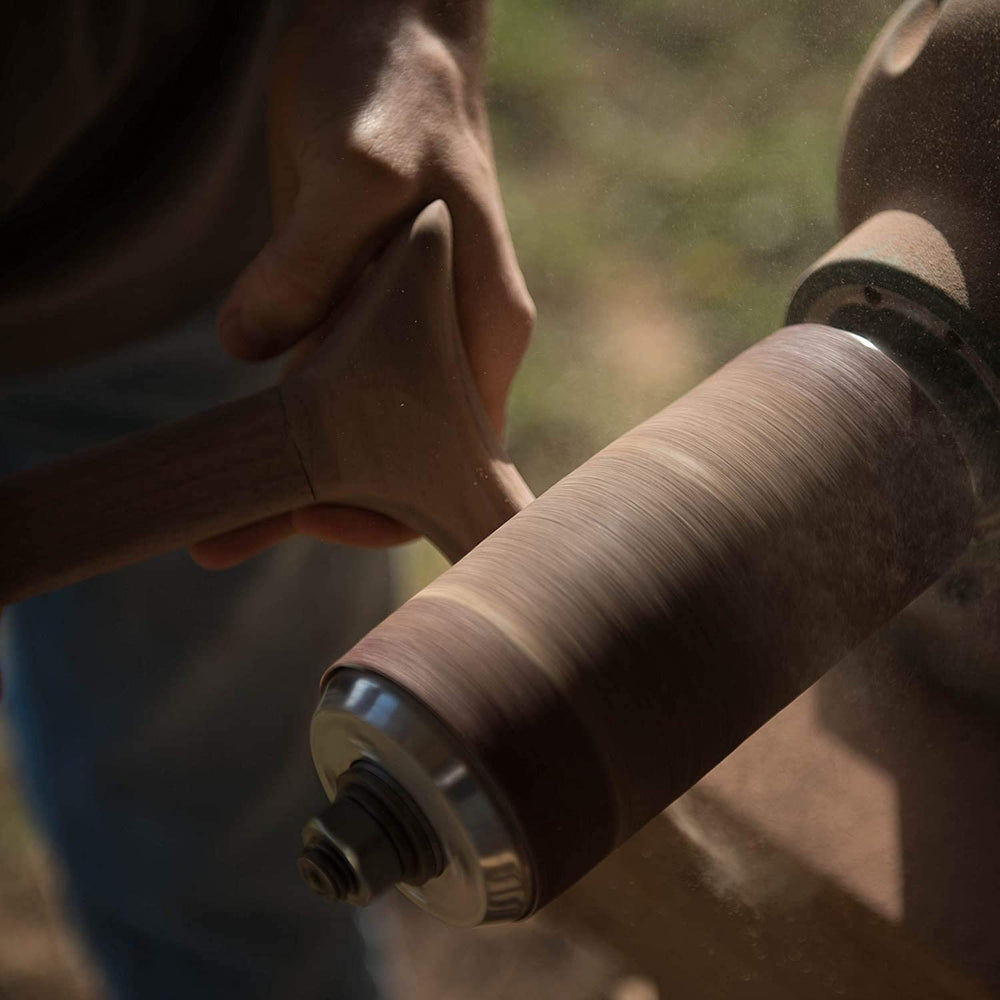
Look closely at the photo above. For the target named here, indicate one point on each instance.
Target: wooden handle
(384, 415)
(146, 494)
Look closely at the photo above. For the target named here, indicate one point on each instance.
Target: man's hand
(375, 109)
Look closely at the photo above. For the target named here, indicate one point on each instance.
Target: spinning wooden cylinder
(604, 649)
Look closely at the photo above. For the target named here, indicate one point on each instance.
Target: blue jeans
(160, 715)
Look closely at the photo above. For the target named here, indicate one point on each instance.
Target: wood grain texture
(602, 651)
(149, 493)
(383, 414)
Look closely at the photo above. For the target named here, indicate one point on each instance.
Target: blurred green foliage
(668, 168)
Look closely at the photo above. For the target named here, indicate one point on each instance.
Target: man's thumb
(289, 287)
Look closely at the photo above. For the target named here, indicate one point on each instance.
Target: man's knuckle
(286, 290)
(522, 317)
(443, 77)
(386, 159)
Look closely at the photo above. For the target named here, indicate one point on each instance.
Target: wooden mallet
(383, 415)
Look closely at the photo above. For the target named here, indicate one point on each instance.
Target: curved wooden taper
(387, 417)
(384, 415)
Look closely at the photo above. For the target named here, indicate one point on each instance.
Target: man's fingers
(288, 289)
(351, 526)
(233, 547)
(285, 291)
(495, 311)
(326, 522)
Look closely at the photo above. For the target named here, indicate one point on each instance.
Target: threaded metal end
(326, 872)
(370, 837)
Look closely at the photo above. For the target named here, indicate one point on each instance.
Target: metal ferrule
(935, 341)
(484, 872)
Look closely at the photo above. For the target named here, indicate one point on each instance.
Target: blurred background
(668, 168)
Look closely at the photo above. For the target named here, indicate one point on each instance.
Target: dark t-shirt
(132, 180)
